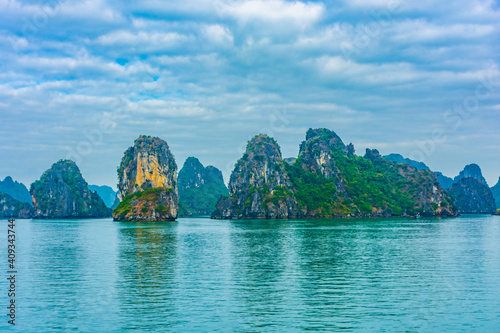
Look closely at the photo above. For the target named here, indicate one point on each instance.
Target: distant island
(199, 188)
(326, 180)
(61, 192)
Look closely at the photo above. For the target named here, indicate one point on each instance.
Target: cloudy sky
(83, 79)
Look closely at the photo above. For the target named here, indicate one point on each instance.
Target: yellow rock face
(148, 168)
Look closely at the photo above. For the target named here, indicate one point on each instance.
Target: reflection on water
(147, 261)
(204, 275)
(258, 272)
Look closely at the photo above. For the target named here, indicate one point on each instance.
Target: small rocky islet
(61, 192)
(259, 186)
(327, 179)
(147, 182)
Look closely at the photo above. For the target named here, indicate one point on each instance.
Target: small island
(147, 182)
(61, 192)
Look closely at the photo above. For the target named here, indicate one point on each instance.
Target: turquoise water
(396, 275)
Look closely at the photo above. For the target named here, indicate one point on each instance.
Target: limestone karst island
(326, 180)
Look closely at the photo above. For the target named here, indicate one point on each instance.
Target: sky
(83, 79)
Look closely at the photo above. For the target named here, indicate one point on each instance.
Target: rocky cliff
(147, 182)
(316, 154)
(316, 175)
(199, 188)
(495, 190)
(16, 190)
(328, 180)
(61, 192)
(471, 171)
(12, 208)
(472, 196)
(259, 186)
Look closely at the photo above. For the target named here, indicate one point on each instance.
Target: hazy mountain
(400, 159)
(446, 182)
(199, 188)
(16, 190)
(472, 196)
(107, 194)
(471, 171)
(496, 193)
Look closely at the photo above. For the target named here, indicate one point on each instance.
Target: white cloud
(336, 68)
(162, 108)
(87, 101)
(328, 38)
(36, 16)
(14, 42)
(392, 5)
(415, 31)
(298, 14)
(143, 40)
(218, 34)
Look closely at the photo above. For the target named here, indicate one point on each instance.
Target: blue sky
(83, 79)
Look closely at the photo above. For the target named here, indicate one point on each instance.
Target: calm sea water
(197, 274)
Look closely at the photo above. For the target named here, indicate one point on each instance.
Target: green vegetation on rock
(314, 193)
(328, 179)
(61, 192)
(140, 204)
(368, 187)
